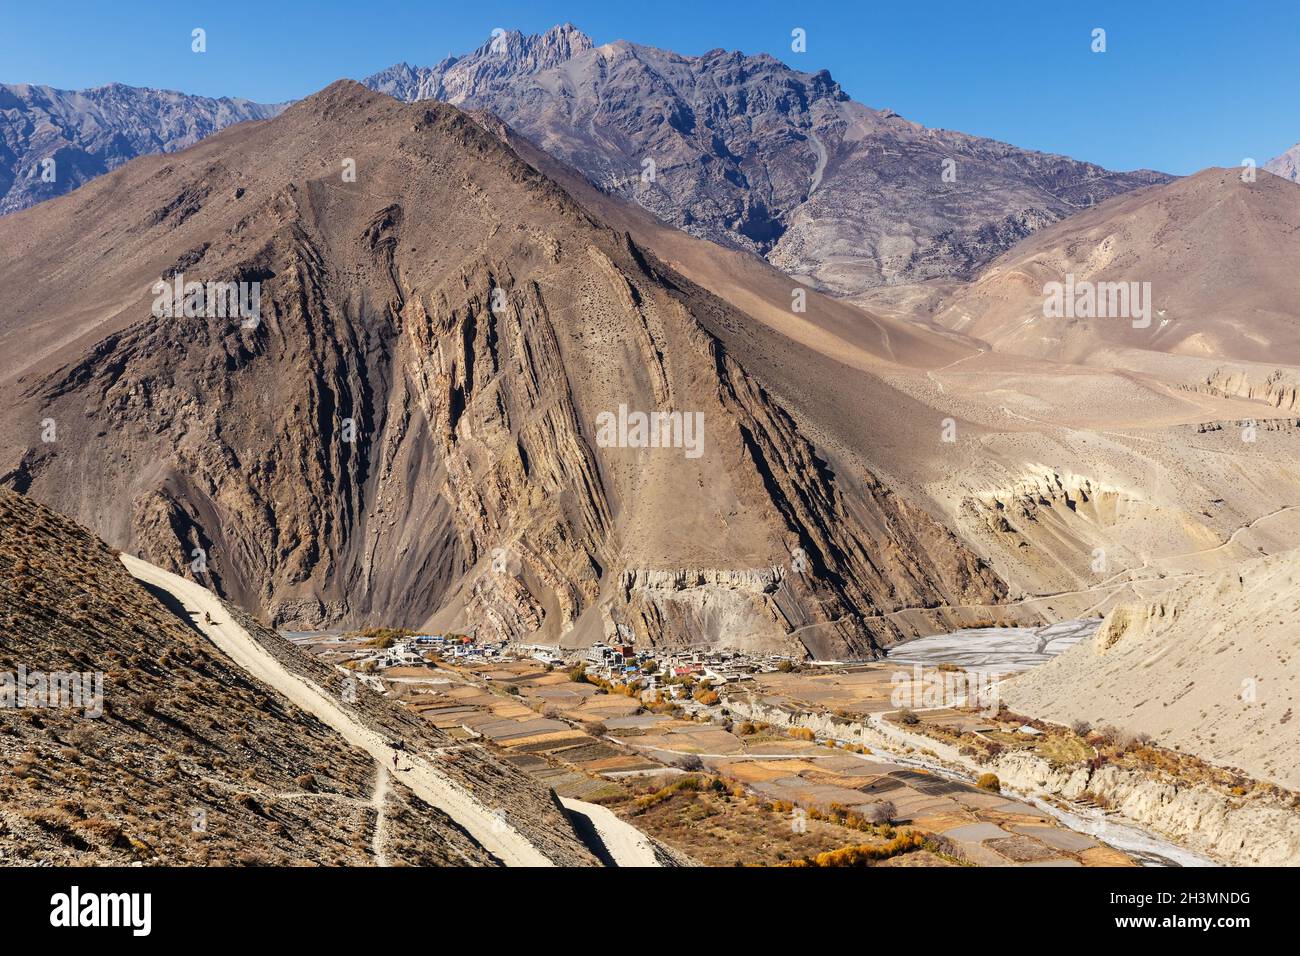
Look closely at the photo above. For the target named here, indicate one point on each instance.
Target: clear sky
(1181, 86)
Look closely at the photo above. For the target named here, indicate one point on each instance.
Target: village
(621, 666)
(730, 758)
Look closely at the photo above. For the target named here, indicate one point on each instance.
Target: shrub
(906, 716)
(381, 637)
(990, 782)
(865, 854)
(1107, 734)
(687, 783)
(882, 812)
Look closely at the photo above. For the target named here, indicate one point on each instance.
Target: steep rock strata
(409, 431)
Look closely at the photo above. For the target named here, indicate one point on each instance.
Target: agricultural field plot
(328, 647)
(976, 825)
(863, 689)
(717, 826)
(542, 720)
(770, 797)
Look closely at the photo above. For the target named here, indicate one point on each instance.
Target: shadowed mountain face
(751, 153)
(434, 411)
(52, 141)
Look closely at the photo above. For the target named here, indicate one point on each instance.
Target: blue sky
(1180, 87)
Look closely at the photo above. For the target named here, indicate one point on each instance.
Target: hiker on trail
(394, 759)
(207, 618)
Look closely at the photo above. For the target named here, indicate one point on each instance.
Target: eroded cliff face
(410, 433)
(1277, 388)
(1068, 530)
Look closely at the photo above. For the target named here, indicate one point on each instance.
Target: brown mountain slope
(476, 485)
(1209, 668)
(1218, 253)
(1050, 461)
(177, 756)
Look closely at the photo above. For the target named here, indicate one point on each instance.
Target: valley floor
(767, 775)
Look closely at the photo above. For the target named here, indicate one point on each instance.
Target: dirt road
(378, 800)
(627, 845)
(489, 829)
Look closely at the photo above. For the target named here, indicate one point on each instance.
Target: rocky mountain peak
(505, 57)
(1287, 165)
(526, 54)
(752, 153)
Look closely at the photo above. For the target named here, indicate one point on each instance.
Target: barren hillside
(1210, 668)
(176, 756)
(1217, 255)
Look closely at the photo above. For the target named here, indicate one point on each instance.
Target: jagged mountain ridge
(475, 427)
(510, 54)
(754, 154)
(90, 132)
(747, 152)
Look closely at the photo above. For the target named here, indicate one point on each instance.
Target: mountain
(751, 153)
(430, 419)
(166, 751)
(1215, 251)
(746, 151)
(505, 57)
(1287, 165)
(89, 132)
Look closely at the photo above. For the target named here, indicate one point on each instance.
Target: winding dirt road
(487, 828)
